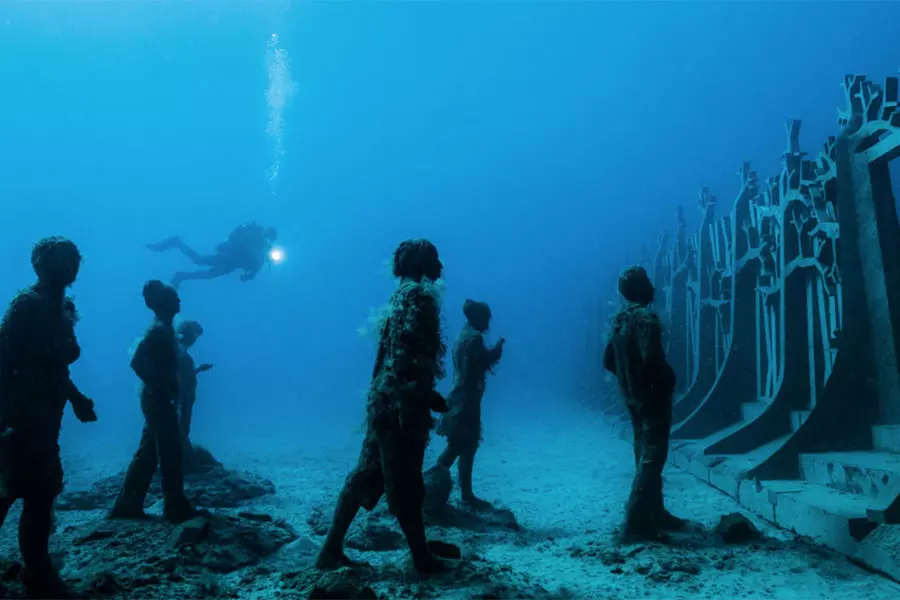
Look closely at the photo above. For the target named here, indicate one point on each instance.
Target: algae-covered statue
(634, 354)
(37, 346)
(399, 404)
(155, 362)
(461, 425)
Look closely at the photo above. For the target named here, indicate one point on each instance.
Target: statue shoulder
(647, 321)
(24, 303)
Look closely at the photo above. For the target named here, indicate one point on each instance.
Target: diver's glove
(438, 403)
(83, 408)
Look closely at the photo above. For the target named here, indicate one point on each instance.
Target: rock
(482, 521)
(445, 550)
(213, 486)
(191, 532)
(119, 557)
(735, 528)
(80, 501)
(103, 584)
(100, 534)
(376, 531)
(198, 459)
(376, 534)
(438, 486)
(612, 557)
(317, 521)
(335, 586)
(262, 518)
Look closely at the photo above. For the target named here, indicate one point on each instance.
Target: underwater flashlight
(276, 255)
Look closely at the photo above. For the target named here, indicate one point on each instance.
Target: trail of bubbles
(278, 94)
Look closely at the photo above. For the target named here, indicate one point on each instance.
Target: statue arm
(609, 358)
(653, 354)
(479, 354)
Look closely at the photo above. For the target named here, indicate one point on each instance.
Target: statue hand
(84, 410)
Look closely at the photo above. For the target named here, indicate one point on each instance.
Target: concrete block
(751, 410)
(679, 459)
(829, 517)
(683, 455)
(886, 438)
(754, 497)
(725, 481)
(886, 506)
(863, 473)
(699, 470)
(880, 550)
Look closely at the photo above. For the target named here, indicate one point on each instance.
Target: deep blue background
(538, 144)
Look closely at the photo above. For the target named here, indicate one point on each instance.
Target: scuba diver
(400, 401)
(248, 248)
(461, 425)
(37, 346)
(155, 362)
(634, 353)
(188, 333)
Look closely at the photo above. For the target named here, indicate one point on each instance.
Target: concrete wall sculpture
(784, 322)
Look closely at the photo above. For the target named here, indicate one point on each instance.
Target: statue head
(417, 260)
(56, 261)
(478, 314)
(635, 286)
(189, 332)
(162, 299)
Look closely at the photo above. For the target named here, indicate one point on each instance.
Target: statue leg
(130, 501)
(35, 527)
(466, 465)
(362, 489)
(658, 426)
(167, 435)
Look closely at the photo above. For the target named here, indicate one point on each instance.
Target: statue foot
(331, 561)
(477, 503)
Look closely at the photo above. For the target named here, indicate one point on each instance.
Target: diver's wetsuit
(246, 249)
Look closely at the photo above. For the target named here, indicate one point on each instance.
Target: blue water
(538, 144)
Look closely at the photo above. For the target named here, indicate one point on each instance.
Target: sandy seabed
(565, 482)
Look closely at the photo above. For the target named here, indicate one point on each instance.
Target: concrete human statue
(461, 425)
(37, 347)
(187, 334)
(401, 398)
(634, 353)
(155, 362)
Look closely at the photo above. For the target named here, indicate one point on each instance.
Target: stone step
(826, 515)
(886, 438)
(865, 473)
(798, 418)
(751, 410)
